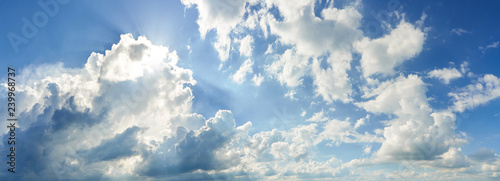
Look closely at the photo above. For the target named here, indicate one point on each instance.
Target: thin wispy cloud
(490, 46)
(460, 31)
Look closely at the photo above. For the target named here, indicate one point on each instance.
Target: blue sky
(253, 89)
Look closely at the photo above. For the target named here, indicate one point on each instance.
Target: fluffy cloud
(330, 33)
(221, 15)
(84, 120)
(191, 150)
(257, 79)
(338, 131)
(381, 55)
(246, 46)
(445, 74)
(402, 96)
(318, 117)
(333, 82)
(453, 158)
(417, 133)
(289, 69)
(314, 36)
(487, 88)
(246, 68)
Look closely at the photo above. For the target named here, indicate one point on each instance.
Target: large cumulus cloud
(86, 121)
(418, 132)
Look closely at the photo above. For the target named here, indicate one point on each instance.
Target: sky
(252, 89)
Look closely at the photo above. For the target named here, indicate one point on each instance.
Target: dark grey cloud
(191, 150)
(122, 145)
(41, 149)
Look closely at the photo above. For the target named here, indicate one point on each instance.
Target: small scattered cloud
(460, 31)
(290, 68)
(367, 150)
(257, 79)
(490, 46)
(485, 89)
(246, 46)
(464, 67)
(303, 113)
(246, 68)
(446, 74)
(318, 117)
(361, 121)
(291, 94)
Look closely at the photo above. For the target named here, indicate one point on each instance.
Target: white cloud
(309, 38)
(417, 133)
(383, 54)
(453, 158)
(102, 109)
(311, 35)
(221, 15)
(361, 121)
(291, 94)
(445, 74)
(338, 132)
(403, 96)
(290, 68)
(486, 89)
(269, 49)
(333, 82)
(464, 67)
(492, 45)
(318, 117)
(246, 46)
(240, 75)
(257, 79)
(223, 47)
(367, 150)
(303, 113)
(113, 81)
(459, 31)
(136, 58)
